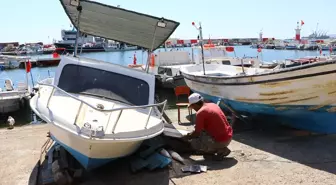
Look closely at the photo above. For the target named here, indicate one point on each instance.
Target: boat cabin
(79, 75)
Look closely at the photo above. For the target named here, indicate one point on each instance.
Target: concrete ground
(19, 153)
(257, 157)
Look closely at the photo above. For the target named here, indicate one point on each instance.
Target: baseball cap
(194, 98)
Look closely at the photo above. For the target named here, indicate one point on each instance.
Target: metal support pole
(242, 63)
(79, 8)
(201, 41)
(151, 51)
(81, 48)
(27, 82)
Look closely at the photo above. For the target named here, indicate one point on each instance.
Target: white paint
(302, 90)
(121, 136)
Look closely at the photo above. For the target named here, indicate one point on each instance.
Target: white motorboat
(12, 97)
(110, 111)
(166, 65)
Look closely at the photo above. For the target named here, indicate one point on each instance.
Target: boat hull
(303, 97)
(92, 153)
(9, 105)
(70, 48)
(297, 116)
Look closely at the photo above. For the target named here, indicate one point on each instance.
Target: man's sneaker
(224, 152)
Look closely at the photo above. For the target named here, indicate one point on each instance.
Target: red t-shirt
(212, 119)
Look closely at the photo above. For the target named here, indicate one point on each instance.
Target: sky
(42, 20)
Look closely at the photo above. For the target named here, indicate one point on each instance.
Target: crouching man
(213, 132)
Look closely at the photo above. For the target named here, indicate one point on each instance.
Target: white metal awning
(118, 24)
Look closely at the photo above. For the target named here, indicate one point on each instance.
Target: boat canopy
(114, 23)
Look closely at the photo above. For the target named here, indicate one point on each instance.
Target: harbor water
(126, 57)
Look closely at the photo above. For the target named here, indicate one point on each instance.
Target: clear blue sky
(35, 20)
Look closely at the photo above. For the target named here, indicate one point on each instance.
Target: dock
(257, 157)
(42, 62)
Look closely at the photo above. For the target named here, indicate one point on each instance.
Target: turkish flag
(28, 67)
(302, 23)
(259, 50)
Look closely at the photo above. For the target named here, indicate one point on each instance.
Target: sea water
(126, 57)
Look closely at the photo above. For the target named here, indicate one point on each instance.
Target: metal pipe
(27, 82)
(76, 42)
(79, 109)
(201, 42)
(151, 51)
(108, 120)
(51, 94)
(163, 108)
(81, 48)
(242, 63)
(108, 110)
(116, 122)
(149, 114)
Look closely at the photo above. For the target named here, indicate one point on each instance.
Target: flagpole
(31, 75)
(201, 42)
(25, 62)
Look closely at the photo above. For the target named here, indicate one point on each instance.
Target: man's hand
(187, 137)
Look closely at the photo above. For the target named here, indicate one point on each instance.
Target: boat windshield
(104, 84)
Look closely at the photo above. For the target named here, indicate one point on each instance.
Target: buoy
(55, 55)
(152, 62)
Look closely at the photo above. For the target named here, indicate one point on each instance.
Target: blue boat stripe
(321, 120)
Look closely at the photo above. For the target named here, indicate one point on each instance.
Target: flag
(259, 49)
(321, 51)
(302, 23)
(28, 67)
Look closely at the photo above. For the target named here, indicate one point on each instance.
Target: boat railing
(121, 109)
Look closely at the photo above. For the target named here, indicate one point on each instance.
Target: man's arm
(200, 119)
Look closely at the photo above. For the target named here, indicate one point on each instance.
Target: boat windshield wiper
(118, 99)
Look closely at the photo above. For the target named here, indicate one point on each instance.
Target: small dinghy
(13, 96)
(99, 111)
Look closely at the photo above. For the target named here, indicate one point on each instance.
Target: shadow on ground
(119, 172)
(21, 117)
(315, 151)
